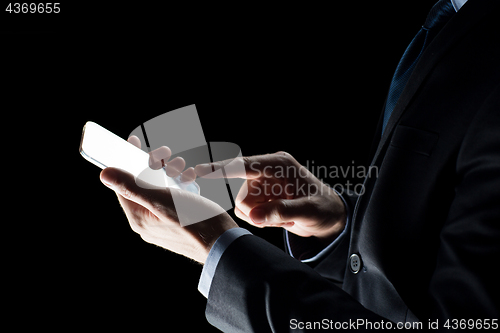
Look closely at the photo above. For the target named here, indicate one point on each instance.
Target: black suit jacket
(427, 229)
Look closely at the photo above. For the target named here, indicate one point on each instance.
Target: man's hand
(152, 214)
(280, 192)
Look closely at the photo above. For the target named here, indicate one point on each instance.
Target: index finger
(231, 168)
(251, 167)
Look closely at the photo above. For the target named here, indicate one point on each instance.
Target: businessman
(420, 246)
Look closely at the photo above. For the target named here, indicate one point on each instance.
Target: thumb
(282, 211)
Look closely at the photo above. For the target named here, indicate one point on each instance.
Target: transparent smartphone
(106, 149)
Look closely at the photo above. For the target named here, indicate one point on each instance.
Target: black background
(306, 79)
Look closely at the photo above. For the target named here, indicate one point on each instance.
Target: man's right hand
(279, 192)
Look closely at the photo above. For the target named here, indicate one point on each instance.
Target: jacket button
(355, 263)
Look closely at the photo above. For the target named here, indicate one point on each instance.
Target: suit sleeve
(259, 288)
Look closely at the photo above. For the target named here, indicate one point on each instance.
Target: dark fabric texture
(440, 13)
(427, 230)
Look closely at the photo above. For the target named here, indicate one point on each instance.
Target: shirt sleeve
(220, 245)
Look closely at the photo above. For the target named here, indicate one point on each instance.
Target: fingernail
(258, 215)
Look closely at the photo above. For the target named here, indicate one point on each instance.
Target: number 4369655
(49, 7)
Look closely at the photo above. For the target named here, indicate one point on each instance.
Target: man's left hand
(152, 214)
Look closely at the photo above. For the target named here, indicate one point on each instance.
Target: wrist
(336, 222)
(207, 232)
(328, 236)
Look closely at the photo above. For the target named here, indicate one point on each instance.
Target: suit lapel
(464, 20)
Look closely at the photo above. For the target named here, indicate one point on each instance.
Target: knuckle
(246, 161)
(285, 158)
(124, 190)
(284, 155)
(281, 209)
(249, 164)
